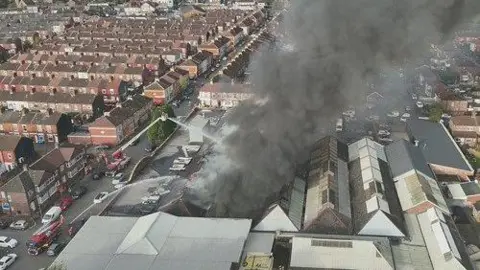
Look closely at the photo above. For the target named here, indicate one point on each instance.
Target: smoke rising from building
(338, 47)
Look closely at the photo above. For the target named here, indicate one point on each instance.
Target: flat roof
(156, 241)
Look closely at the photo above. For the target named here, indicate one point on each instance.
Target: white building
(222, 95)
(156, 241)
(317, 253)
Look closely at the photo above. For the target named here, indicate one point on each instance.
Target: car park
(19, 225)
(100, 197)
(8, 242)
(55, 249)
(78, 192)
(7, 260)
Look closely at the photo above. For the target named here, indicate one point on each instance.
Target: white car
(177, 167)
(119, 177)
(120, 185)
(393, 114)
(19, 225)
(100, 197)
(182, 160)
(349, 113)
(383, 133)
(414, 97)
(407, 108)
(419, 104)
(405, 117)
(8, 242)
(7, 260)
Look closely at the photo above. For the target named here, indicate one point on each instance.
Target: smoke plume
(338, 45)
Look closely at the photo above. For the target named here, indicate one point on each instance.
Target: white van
(339, 126)
(52, 214)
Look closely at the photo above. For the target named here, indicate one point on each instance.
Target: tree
(3, 55)
(36, 39)
(18, 45)
(161, 130)
(435, 112)
(27, 45)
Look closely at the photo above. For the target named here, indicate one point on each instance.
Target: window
(327, 243)
(24, 127)
(15, 127)
(39, 128)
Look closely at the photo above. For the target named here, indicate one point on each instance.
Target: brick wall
(420, 208)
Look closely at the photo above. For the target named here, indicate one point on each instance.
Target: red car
(65, 203)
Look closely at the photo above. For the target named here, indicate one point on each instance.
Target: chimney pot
(416, 142)
(106, 114)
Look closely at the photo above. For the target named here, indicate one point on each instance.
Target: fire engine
(44, 237)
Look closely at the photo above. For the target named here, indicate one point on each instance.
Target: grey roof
(436, 144)
(470, 188)
(156, 241)
(297, 201)
(404, 157)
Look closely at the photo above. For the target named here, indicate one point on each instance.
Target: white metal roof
(439, 241)
(156, 241)
(327, 254)
(276, 220)
(457, 192)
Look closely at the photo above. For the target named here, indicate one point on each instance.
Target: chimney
(25, 167)
(129, 98)
(416, 142)
(106, 114)
(118, 105)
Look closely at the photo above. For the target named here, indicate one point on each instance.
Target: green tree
(36, 39)
(435, 112)
(161, 130)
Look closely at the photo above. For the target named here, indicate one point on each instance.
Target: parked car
(100, 197)
(19, 225)
(8, 242)
(7, 260)
(383, 132)
(65, 202)
(52, 214)
(407, 108)
(135, 142)
(99, 148)
(414, 97)
(78, 192)
(419, 104)
(5, 222)
(150, 147)
(405, 117)
(393, 114)
(55, 249)
(98, 175)
(119, 177)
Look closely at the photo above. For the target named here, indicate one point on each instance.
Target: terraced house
(37, 187)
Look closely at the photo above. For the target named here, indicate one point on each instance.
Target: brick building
(33, 190)
(15, 150)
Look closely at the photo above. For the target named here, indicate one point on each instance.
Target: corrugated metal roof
(156, 241)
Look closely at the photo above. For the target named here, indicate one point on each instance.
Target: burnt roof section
(201, 56)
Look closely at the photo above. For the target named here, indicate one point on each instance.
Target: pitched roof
(437, 145)
(56, 157)
(329, 221)
(404, 157)
(275, 219)
(9, 142)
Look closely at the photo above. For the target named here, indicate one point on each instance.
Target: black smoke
(336, 46)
